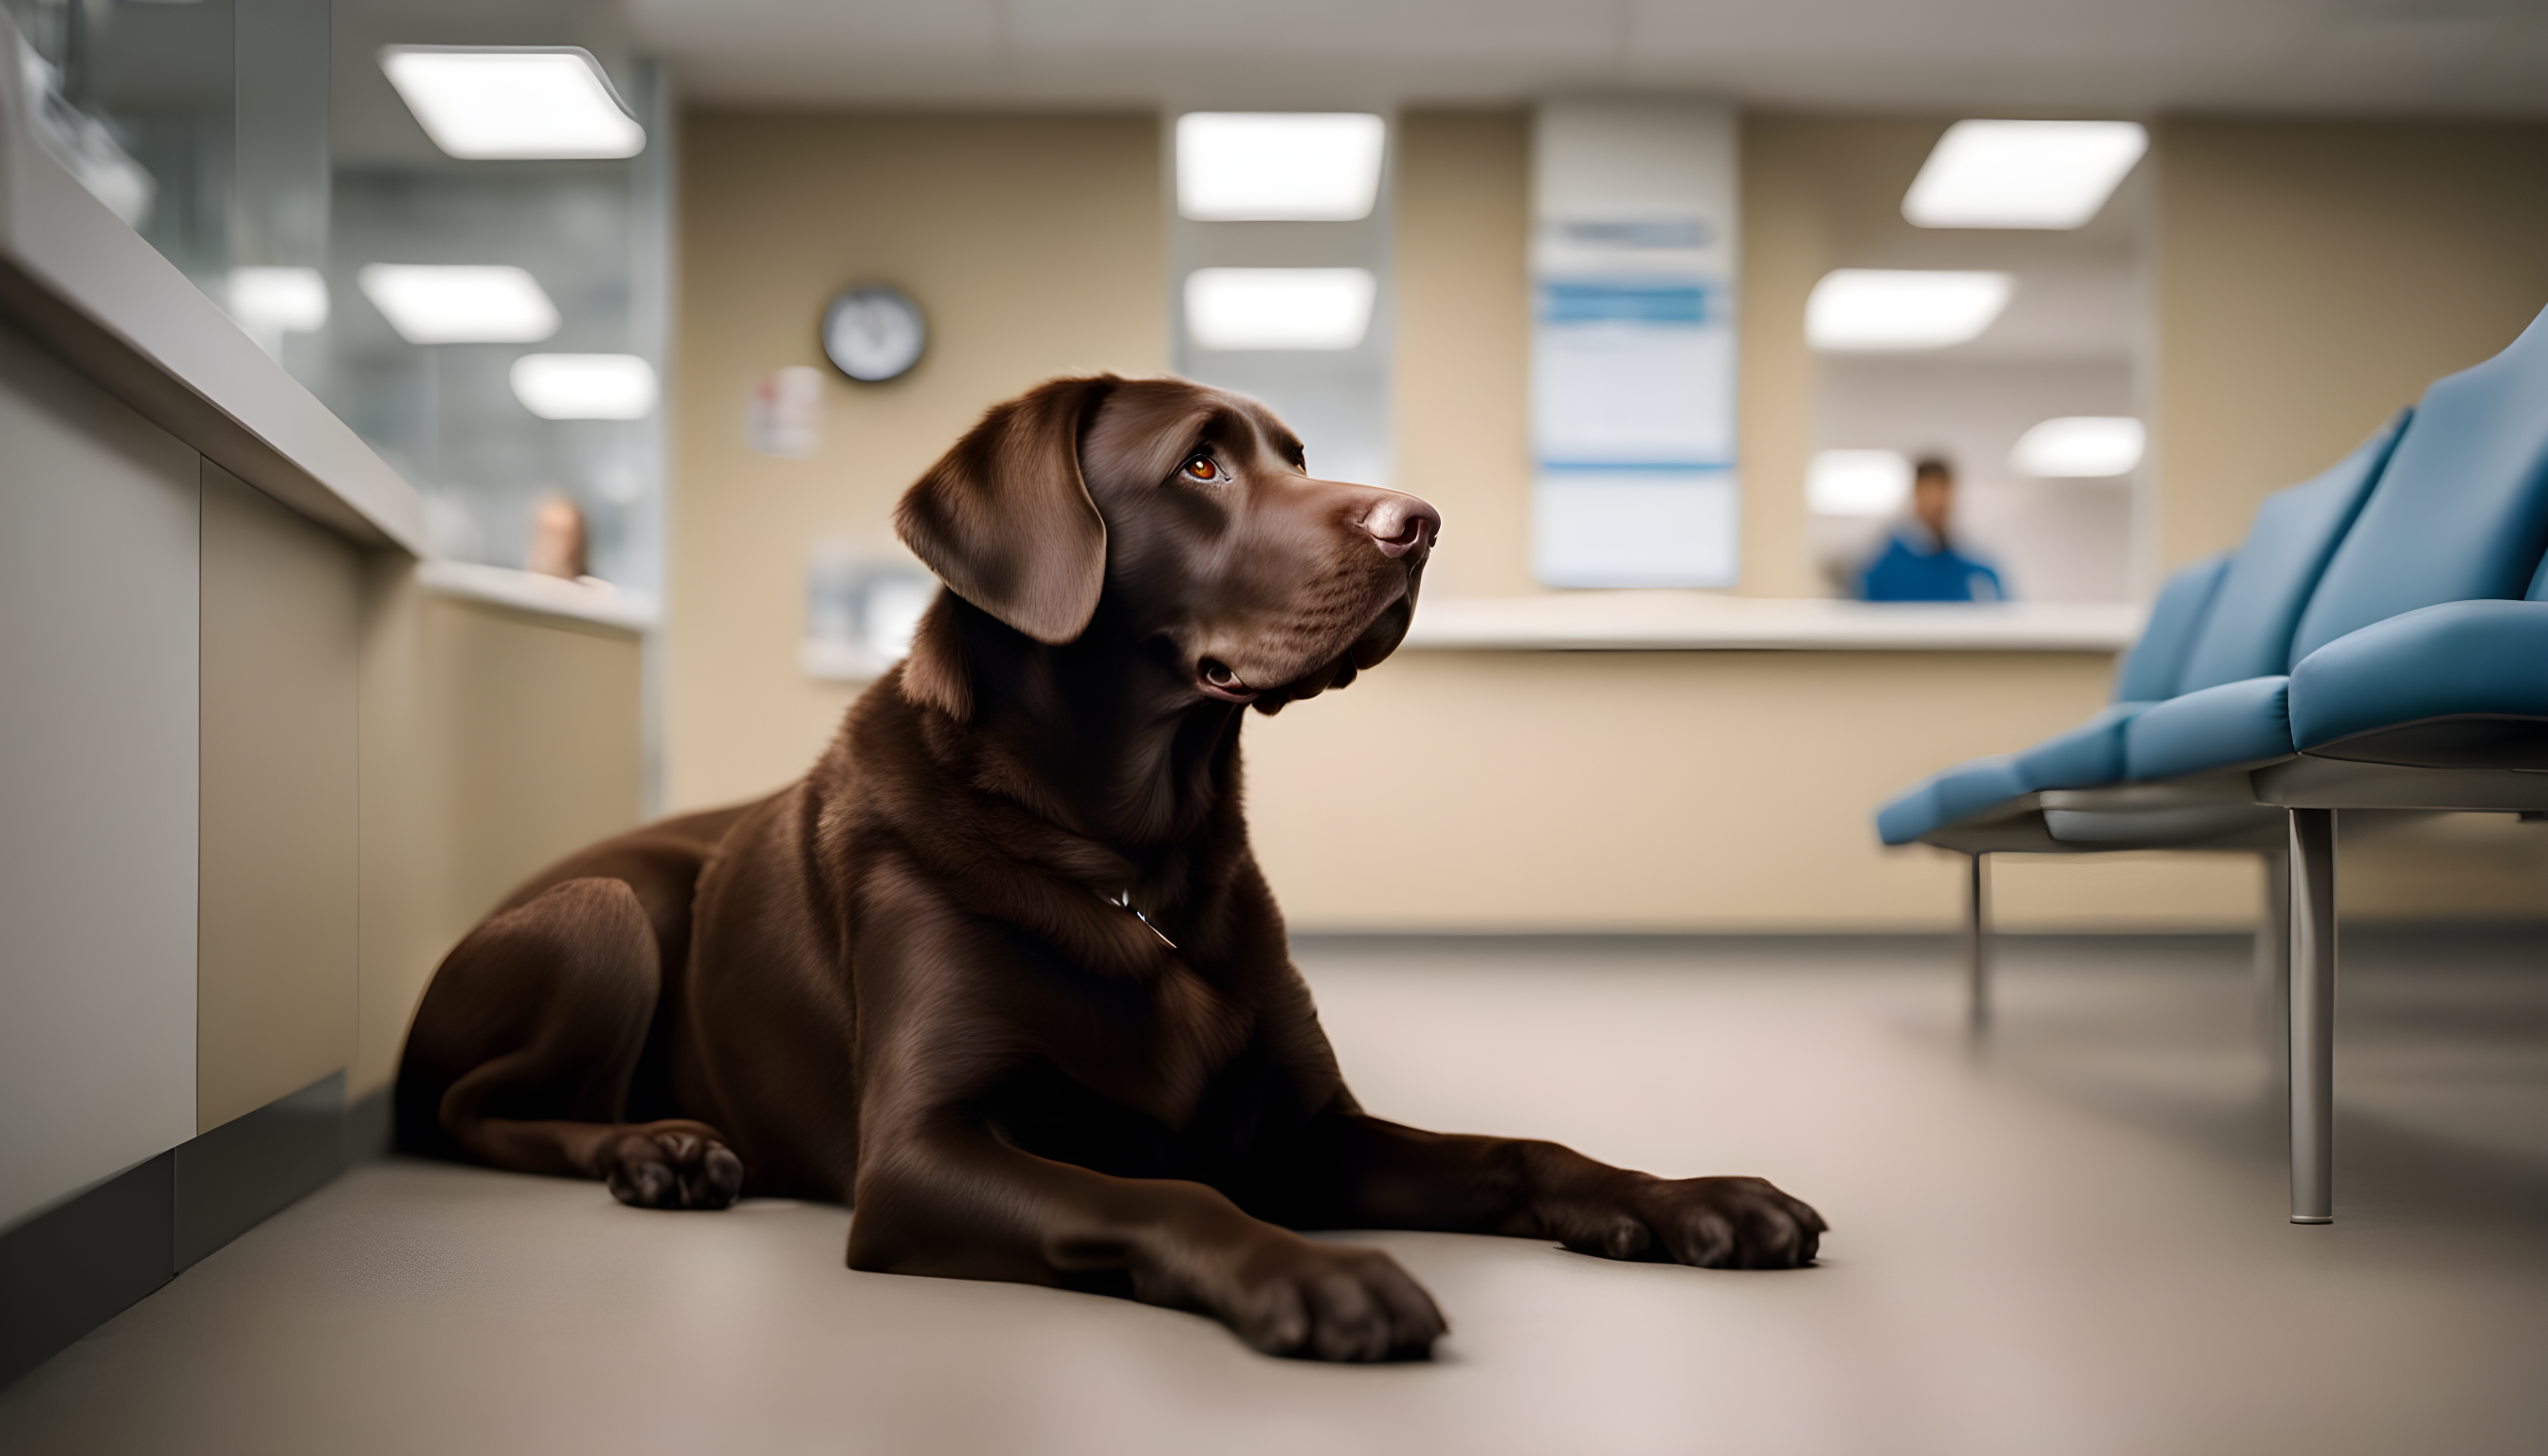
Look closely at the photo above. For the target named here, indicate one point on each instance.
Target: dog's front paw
(1713, 1223)
(671, 1166)
(1731, 1223)
(1324, 1302)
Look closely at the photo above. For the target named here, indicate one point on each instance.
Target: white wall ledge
(584, 600)
(1699, 621)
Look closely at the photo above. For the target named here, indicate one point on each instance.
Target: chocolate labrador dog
(1001, 972)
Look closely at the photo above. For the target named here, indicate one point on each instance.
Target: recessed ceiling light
(2023, 174)
(278, 300)
(1237, 166)
(514, 103)
(2080, 445)
(1278, 307)
(1858, 482)
(467, 305)
(1876, 309)
(585, 386)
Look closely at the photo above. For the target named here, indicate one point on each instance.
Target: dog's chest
(1111, 1125)
(1154, 1046)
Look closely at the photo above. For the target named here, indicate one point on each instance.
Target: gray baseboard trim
(251, 1168)
(72, 1268)
(69, 1270)
(369, 1133)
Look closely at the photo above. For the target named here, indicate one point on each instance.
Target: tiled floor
(2068, 1240)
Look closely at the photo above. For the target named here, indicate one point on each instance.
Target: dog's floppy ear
(1004, 519)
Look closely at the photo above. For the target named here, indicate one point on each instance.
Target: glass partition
(498, 417)
(260, 146)
(202, 125)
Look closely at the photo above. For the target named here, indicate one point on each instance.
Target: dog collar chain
(1125, 899)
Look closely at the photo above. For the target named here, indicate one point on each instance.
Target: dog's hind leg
(523, 1048)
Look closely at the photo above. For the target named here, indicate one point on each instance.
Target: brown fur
(906, 982)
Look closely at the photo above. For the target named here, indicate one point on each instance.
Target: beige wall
(1035, 246)
(1592, 791)
(1461, 381)
(494, 742)
(275, 948)
(2314, 276)
(1788, 245)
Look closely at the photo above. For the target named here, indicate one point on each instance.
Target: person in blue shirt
(1921, 563)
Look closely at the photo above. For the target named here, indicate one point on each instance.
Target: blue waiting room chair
(2224, 620)
(2414, 677)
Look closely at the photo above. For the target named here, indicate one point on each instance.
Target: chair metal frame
(2286, 811)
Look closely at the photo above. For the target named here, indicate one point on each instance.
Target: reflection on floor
(2068, 1240)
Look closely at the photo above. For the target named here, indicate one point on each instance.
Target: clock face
(873, 334)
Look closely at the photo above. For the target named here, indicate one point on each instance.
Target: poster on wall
(1633, 270)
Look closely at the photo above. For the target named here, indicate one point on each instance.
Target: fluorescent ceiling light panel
(514, 103)
(1883, 309)
(467, 305)
(2023, 174)
(1237, 166)
(1278, 307)
(1858, 482)
(585, 386)
(278, 300)
(2080, 445)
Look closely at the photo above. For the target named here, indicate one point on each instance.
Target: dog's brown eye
(1202, 468)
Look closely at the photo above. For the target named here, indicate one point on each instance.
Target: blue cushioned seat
(2215, 623)
(2457, 685)
(2243, 722)
(1950, 797)
(2152, 666)
(2424, 661)
(2460, 515)
(2084, 757)
(2462, 512)
(2228, 702)
(2092, 753)
(2268, 584)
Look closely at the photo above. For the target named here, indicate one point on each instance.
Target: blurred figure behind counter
(1920, 563)
(559, 544)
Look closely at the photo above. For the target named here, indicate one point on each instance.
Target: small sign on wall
(784, 415)
(861, 612)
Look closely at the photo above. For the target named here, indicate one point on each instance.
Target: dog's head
(1185, 520)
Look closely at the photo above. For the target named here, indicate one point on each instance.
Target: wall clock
(873, 334)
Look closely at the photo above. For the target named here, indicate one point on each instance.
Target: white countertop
(586, 598)
(1668, 621)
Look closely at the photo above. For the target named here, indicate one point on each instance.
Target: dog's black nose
(1402, 523)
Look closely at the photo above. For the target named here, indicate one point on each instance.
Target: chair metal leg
(2312, 1010)
(2274, 960)
(1978, 943)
